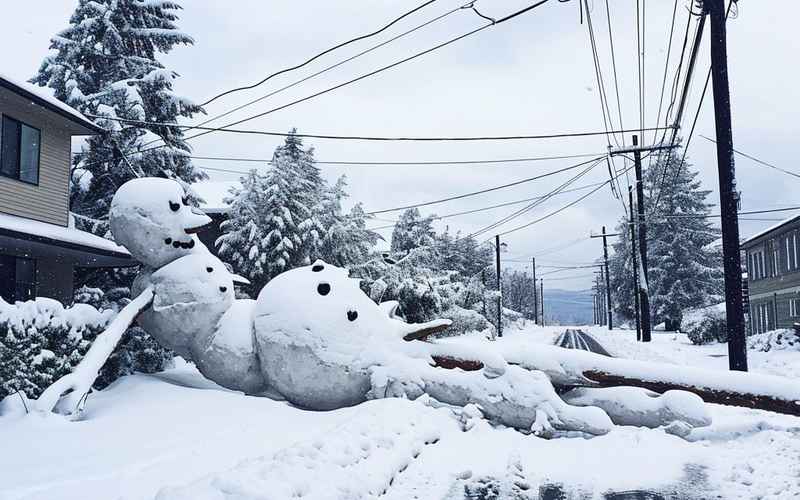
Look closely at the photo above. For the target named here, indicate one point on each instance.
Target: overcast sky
(532, 75)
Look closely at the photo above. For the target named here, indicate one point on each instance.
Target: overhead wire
(317, 56)
(753, 158)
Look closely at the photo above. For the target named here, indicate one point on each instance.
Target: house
(773, 272)
(39, 246)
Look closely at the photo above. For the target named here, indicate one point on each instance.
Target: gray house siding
(774, 277)
(49, 200)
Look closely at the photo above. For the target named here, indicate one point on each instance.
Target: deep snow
(180, 435)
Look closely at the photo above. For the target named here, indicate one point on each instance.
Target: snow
(769, 229)
(58, 233)
(45, 95)
(179, 436)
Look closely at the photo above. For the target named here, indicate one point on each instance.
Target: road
(578, 339)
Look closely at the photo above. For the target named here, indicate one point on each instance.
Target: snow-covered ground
(177, 436)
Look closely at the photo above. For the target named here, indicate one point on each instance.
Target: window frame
(18, 178)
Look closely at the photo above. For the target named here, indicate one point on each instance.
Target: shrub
(40, 341)
(706, 325)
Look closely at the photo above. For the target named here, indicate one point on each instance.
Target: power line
(666, 66)
(410, 163)
(491, 207)
(482, 191)
(328, 68)
(536, 203)
(383, 68)
(561, 135)
(327, 51)
(762, 162)
(747, 212)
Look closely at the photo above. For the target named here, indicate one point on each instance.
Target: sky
(531, 75)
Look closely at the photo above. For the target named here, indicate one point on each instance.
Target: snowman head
(337, 316)
(152, 218)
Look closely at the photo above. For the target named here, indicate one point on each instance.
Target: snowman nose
(223, 289)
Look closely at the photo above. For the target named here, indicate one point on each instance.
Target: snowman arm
(80, 380)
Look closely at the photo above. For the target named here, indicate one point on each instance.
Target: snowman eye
(185, 200)
(174, 206)
(209, 269)
(323, 289)
(317, 268)
(352, 315)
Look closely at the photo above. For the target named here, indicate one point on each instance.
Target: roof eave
(90, 127)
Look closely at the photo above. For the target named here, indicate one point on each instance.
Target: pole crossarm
(640, 149)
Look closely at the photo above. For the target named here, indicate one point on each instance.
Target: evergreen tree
(105, 63)
(271, 225)
(684, 264)
(413, 231)
(345, 240)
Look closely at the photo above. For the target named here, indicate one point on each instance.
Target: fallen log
(569, 368)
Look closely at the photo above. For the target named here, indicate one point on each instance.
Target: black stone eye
(209, 269)
(174, 206)
(185, 200)
(323, 289)
(223, 289)
(352, 315)
(317, 268)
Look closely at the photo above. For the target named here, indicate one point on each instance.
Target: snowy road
(578, 339)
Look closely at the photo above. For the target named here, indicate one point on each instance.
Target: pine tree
(684, 264)
(345, 240)
(271, 224)
(106, 64)
(413, 231)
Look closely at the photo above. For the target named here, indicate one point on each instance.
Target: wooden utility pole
(541, 298)
(499, 288)
(635, 265)
(608, 284)
(728, 197)
(641, 230)
(535, 301)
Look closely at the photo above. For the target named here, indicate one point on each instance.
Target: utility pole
(535, 302)
(608, 285)
(642, 231)
(541, 297)
(635, 265)
(728, 198)
(499, 288)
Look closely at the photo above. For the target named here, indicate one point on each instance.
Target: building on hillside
(773, 272)
(39, 246)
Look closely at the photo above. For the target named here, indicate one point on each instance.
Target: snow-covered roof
(43, 97)
(759, 234)
(213, 193)
(52, 233)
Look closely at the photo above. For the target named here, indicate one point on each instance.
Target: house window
(17, 278)
(20, 145)
(794, 308)
(774, 257)
(756, 261)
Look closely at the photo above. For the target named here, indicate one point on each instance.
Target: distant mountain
(568, 307)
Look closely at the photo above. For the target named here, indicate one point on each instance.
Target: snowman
(152, 218)
(312, 337)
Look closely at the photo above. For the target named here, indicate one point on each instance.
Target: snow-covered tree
(271, 225)
(345, 239)
(413, 231)
(684, 264)
(105, 63)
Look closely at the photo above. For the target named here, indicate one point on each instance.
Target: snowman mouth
(179, 244)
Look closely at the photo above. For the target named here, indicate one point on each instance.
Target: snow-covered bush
(705, 325)
(775, 340)
(40, 341)
(465, 321)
